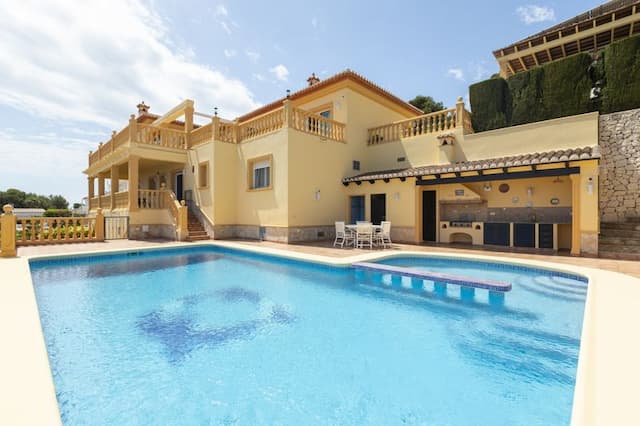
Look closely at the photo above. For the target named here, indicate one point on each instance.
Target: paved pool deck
(608, 373)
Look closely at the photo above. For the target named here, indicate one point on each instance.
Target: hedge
(489, 101)
(553, 90)
(57, 213)
(622, 76)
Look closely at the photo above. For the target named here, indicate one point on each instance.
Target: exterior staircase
(620, 240)
(196, 229)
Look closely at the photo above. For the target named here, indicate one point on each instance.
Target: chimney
(313, 79)
(142, 108)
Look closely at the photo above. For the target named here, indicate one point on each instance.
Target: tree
(426, 104)
(21, 199)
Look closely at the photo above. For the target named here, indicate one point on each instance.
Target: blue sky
(70, 72)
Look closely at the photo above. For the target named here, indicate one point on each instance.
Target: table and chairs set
(363, 234)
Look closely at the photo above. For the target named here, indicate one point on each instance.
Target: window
(356, 164)
(326, 114)
(260, 173)
(203, 175)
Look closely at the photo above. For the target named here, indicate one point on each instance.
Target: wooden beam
(501, 176)
(173, 113)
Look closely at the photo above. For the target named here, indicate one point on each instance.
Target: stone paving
(326, 249)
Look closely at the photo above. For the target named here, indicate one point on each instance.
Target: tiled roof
(536, 158)
(347, 74)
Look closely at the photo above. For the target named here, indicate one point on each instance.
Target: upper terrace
(587, 32)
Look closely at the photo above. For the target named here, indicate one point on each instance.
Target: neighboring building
(588, 32)
(28, 212)
(346, 149)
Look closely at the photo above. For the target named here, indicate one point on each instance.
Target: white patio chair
(384, 236)
(364, 234)
(343, 235)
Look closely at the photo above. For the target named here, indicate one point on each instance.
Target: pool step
(436, 277)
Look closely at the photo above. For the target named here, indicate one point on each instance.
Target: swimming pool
(211, 335)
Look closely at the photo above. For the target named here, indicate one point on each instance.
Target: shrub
(622, 75)
(489, 101)
(57, 213)
(566, 86)
(525, 89)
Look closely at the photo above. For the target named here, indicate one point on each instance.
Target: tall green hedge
(489, 101)
(557, 89)
(622, 76)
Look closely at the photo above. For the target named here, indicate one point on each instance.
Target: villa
(201, 329)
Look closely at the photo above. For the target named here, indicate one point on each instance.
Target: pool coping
(606, 381)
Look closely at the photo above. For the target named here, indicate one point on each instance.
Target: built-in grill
(460, 224)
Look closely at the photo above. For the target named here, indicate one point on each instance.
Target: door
(179, 186)
(545, 235)
(429, 216)
(378, 208)
(524, 235)
(356, 208)
(497, 234)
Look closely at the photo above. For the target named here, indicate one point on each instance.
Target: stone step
(618, 241)
(618, 255)
(618, 248)
(629, 226)
(198, 237)
(619, 233)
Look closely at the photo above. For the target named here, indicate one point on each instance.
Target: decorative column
(459, 112)
(188, 123)
(133, 174)
(8, 230)
(115, 183)
(575, 214)
(100, 190)
(287, 113)
(90, 183)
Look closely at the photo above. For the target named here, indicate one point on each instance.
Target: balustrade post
(183, 221)
(8, 230)
(215, 127)
(133, 128)
(459, 112)
(236, 131)
(288, 119)
(99, 225)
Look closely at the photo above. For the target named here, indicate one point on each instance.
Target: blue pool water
(213, 336)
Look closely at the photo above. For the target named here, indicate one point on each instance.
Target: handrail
(316, 124)
(202, 134)
(417, 126)
(179, 213)
(51, 230)
(261, 125)
(161, 136)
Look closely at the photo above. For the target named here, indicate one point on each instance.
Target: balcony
(435, 122)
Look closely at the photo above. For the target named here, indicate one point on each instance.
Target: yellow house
(346, 149)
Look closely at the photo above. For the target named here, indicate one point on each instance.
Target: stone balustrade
(201, 135)
(316, 124)
(261, 125)
(26, 231)
(151, 199)
(439, 121)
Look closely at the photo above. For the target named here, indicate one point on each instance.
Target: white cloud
(314, 22)
(252, 55)
(225, 27)
(230, 53)
(76, 62)
(456, 73)
(479, 71)
(531, 14)
(221, 10)
(280, 72)
(258, 77)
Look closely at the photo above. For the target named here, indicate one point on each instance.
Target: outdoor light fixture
(215, 111)
(530, 191)
(288, 93)
(316, 195)
(590, 185)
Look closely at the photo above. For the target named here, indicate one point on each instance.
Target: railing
(261, 125)
(226, 132)
(122, 200)
(51, 230)
(151, 199)
(160, 136)
(315, 124)
(201, 135)
(179, 214)
(104, 201)
(424, 124)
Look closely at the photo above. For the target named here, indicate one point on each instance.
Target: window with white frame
(261, 174)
